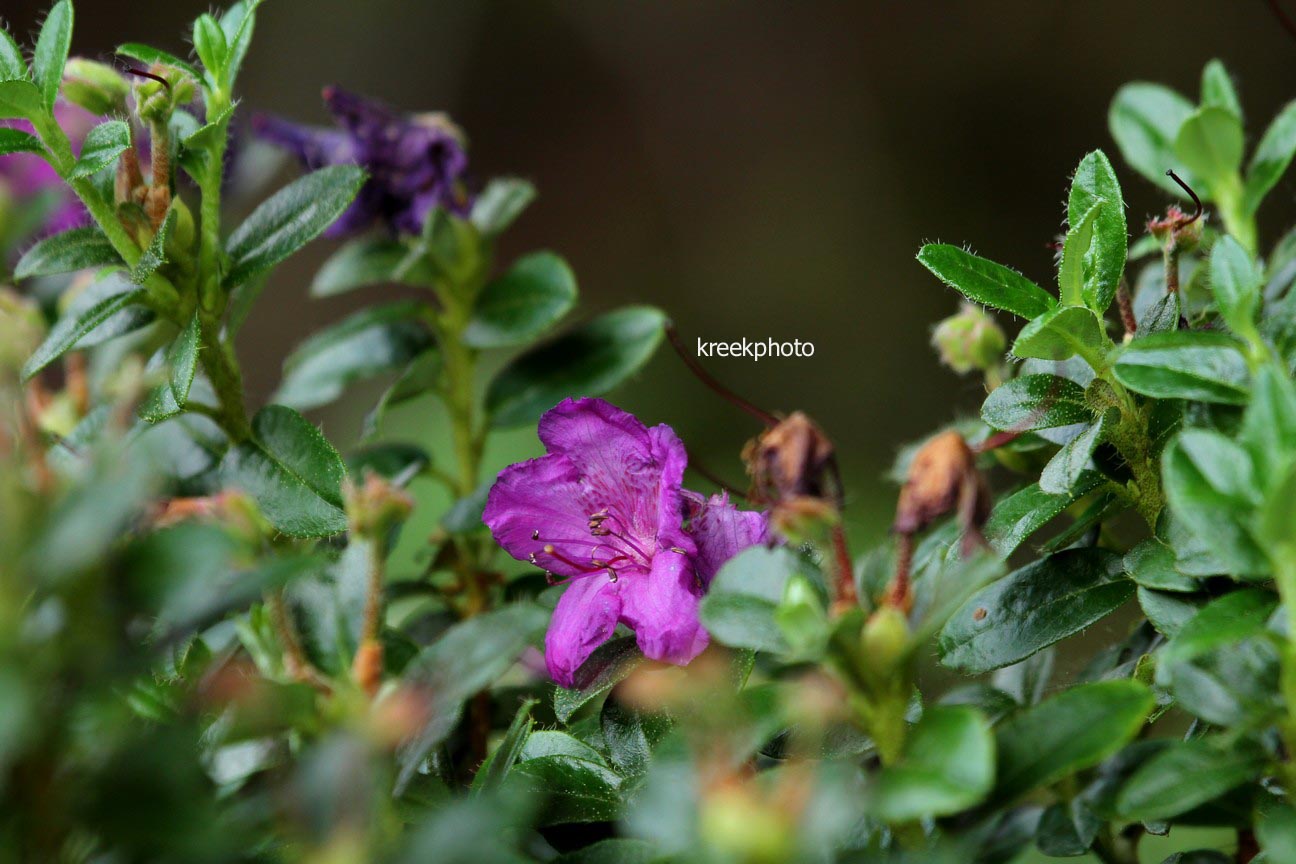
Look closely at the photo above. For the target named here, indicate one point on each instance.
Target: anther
(535, 535)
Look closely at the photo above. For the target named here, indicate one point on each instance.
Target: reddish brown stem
(899, 594)
(1125, 302)
(706, 378)
(847, 596)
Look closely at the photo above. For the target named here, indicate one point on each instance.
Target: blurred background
(755, 169)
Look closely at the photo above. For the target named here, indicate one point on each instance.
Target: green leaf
(155, 255)
(1145, 119)
(292, 472)
(550, 742)
(103, 144)
(1024, 512)
(1185, 775)
(1168, 612)
(1075, 248)
(289, 219)
(18, 141)
(1151, 564)
(370, 342)
(576, 790)
(1235, 684)
(1032, 608)
(1271, 157)
(1161, 316)
(492, 772)
(51, 52)
(420, 377)
(616, 850)
(500, 203)
(168, 399)
(739, 607)
(608, 666)
(371, 261)
(1065, 468)
(209, 44)
(1214, 497)
(586, 361)
(1217, 89)
(206, 135)
(1224, 621)
(1063, 332)
(238, 22)
(1067, 829)
(630, 736)
(99, 308)
(984, 281)
(149, 55)
(1030, 402)
(1209, 143)
(1269, 425)
(947, 766)
(1072, 731)
(1276, 831)
(77, 249)
(12, 64)
(519, 306)
(1236, 281)
(399, 463)
(1196, 365)
(20, 99)
(465, 660)
(1094, 183)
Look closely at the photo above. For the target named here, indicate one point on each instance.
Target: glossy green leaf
(1079, 239)
(290, 219)
(12, 64)
(1066, 467)
(1168, 612)
(51, 52)
(1066, 331)
(1234, 684)
(168, 399)
(20, 99)
(947, 766)
(371, 261)
(1210, 144)
(103, 144)
(371, 342)
(1095, 183)
(576, 790)
(292, 472)
(586, 361)
(1032, 608)
(1236, 280)
(209, 44)
(1224, 621)
(1024, 512)
(1160, 317)
(1271, 158)
(1144, 119)
(1197, 365)
(149, 55)
(155, 254)
(617, 850)
(608, 666)
(1074, 730)
(550, 742)
(99, 308)
(1066, 829)
(1217, 89)
(1269, 425)
(984, 281)
(465, 660)
(1030, 402)
(1187, 774)
(500, 203)
(77, 249)
(1151, 564)
(1210, 482)
(18, 141)
(519, 306)
(739, 607)
(492, 772)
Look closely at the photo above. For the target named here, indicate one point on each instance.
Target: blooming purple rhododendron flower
(24, 176)
(606, 509)
(416, 163)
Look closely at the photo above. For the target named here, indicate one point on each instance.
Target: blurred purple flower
(26, 176)
(415, 162)
(606, 509)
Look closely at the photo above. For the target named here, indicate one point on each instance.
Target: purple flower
(606, 510)
(416, 163)
(26, 176)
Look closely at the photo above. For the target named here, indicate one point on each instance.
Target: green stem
(210, 296)
(226, 380)
(1285, 580)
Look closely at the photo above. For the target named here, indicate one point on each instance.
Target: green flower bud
(970, 340)
(96, 87)
(743, 828)
(375, 505)
(886, 640)
(156, 102)
(800, 617)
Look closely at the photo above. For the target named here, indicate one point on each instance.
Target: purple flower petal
(662, 608)
(721, 531)
(585, 618)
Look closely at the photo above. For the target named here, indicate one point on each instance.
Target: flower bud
(1177, 229)
(155, 102)
(886, 640)
(743, 828)
(942, 478)
(375, 505)
(94, 86)
(970, 340)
